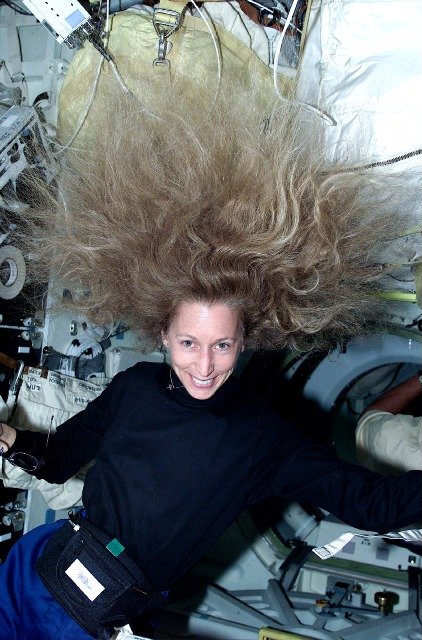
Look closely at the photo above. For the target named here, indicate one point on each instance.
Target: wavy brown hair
(216, 202)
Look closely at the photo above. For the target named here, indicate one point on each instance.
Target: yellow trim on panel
(399, 296)
(266, 633)
(411, 231)
(418, 283)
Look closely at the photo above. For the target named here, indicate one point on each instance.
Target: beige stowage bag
(202, 54)
(49, 398)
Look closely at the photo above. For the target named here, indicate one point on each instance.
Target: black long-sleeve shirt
(172, 472)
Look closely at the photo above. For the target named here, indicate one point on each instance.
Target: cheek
(228, 364)
(178, 357)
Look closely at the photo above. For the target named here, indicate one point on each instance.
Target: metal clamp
(162, 51)
(166, 22)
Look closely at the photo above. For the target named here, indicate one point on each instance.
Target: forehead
(197, 319)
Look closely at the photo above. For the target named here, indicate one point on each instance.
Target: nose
(204, 363)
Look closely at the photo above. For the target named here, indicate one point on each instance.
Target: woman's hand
(7, 437)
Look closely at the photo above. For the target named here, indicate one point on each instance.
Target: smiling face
(204, 343)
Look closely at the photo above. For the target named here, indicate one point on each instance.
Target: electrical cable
(216, 47)
(279, 45)
(105, 55)
(321, 114)
(24, 94)
(107, 22)
(94, 87)
(109, 58)
(272, 11)
(382, 163)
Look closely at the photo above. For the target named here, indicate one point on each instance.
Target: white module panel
(374, 551)
(60, 17)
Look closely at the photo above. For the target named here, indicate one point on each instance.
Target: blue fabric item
(27, 610)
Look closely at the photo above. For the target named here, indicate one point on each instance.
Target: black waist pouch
(92, 577)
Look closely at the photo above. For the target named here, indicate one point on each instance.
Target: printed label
(84, 580)
(32, 378)
(55, 379)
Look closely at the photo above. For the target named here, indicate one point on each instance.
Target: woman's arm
(355, 495)
(395, 400)
(75, 442)
(7, 437)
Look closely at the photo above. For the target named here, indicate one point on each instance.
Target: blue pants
(27, 610)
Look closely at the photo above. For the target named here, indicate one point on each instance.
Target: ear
(164, 339)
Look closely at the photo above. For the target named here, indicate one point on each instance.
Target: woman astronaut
(209, 228)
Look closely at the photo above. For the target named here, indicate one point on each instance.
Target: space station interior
(262, 580)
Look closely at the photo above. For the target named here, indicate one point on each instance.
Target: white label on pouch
(84, 580)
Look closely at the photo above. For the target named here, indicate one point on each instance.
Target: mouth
(202, 383)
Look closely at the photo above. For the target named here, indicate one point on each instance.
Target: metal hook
(166, 22)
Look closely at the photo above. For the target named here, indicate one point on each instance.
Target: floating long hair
(229, 203)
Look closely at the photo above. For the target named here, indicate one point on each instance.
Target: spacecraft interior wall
(362, 66)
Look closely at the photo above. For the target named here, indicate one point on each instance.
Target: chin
(201, 395)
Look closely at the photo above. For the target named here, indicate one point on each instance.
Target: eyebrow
(187, 335)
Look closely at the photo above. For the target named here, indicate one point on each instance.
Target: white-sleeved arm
(389, 443)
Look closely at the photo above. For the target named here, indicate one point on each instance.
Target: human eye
(223, 346)
(186, 343)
